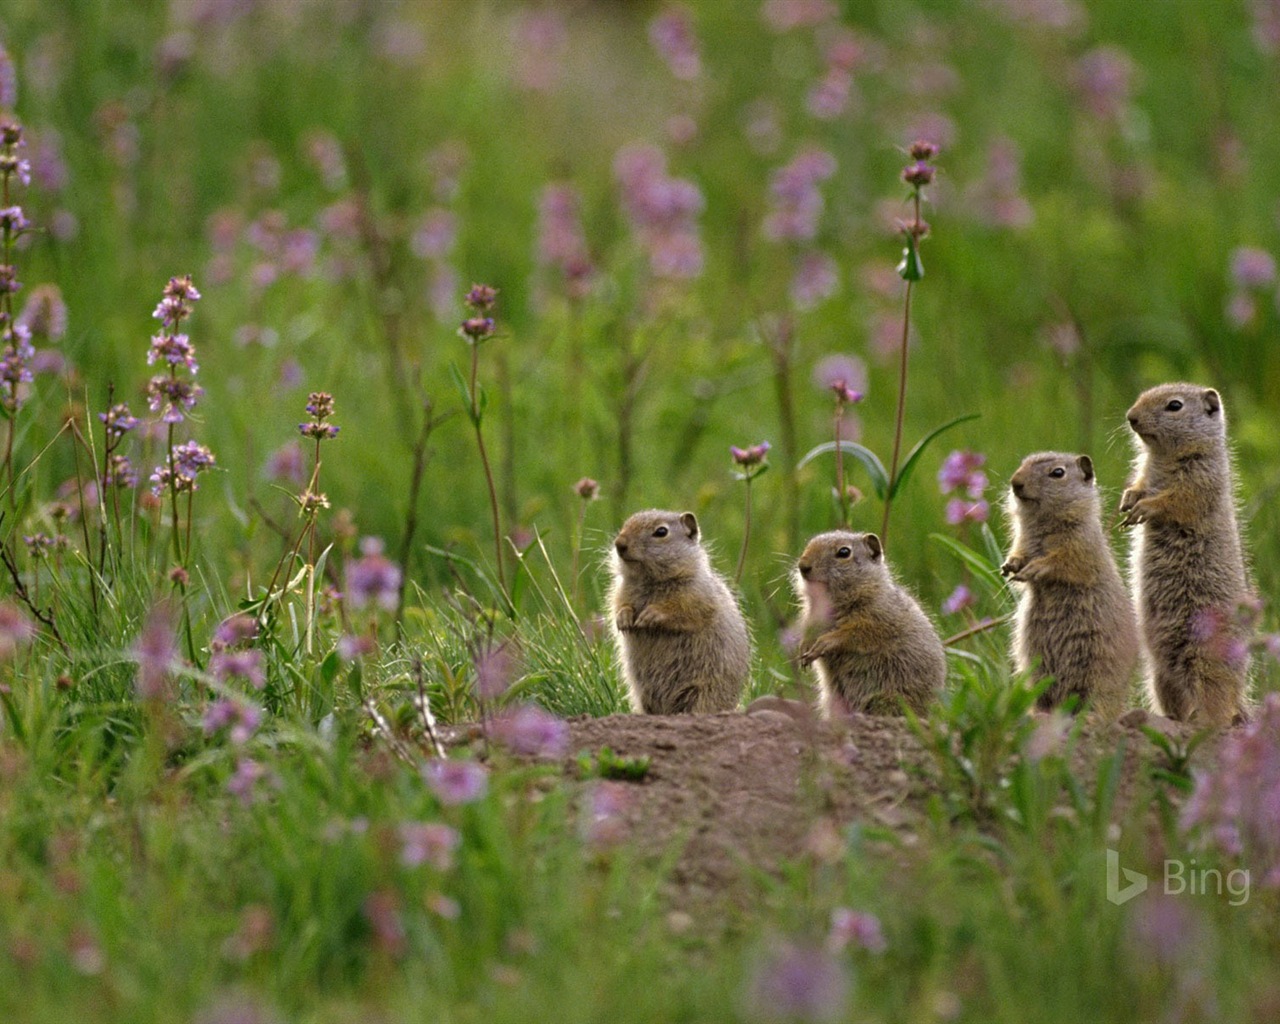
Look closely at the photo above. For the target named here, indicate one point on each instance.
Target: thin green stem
(842, 494)
(488, 471)
(902, 392)
(746, 536)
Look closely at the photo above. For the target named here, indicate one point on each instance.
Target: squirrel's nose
(1133, 422)
(1018, 488)
(621, 546)
(805, 570)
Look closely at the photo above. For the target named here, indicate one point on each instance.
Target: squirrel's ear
(1086, 466)
(1212, 403)
(874, 546)
(690, 523)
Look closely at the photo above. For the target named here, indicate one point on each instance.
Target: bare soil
(734, 792)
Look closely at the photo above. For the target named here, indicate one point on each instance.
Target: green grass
(135, 887)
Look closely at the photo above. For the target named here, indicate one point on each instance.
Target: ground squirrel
(1075, 617)
(681, 638)
(874, 649)
(1187, 566)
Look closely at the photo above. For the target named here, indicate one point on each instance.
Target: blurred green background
(335, 174)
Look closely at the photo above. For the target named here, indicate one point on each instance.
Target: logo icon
(1135, 881)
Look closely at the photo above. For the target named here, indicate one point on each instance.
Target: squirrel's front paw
(1137, 513)
(1131, 497)
(650, 618)
(1013, 565)
(813, 652)
(626, 619)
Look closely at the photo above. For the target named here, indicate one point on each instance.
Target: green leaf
(464, 393)
(913, 456)
(868, 458)
(910, 268)
(981, 567)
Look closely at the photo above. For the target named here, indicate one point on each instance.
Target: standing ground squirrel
(875, 650)
(1075, 617)
(682, 640)
(1187, 565)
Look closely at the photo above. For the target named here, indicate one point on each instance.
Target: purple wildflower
(962, 510)
(785, 15)
(243, 783)
(437, 234)
(531, 732)
(857, 928)
(373, 578)
(235, 631)
(172, 395)
(495, 670)
(962, 597)
(430, 843)
(749, 457)
(243, 664)
(796, 204)
(120, 472)
(156, 652)
(476, 328)
(845, 375)
(540, 40)
(603, 817)
(12, 220)
(117, 421)
(481, 297)
(240, 717)
(175, 350)
(662, 211)
(587, 489)
(286, 463)
(456, 782)
(1104, 81)
(962, 470)
(382, 911)
(8, 81)
(180, 295)
(1252, 267)
(15, 629)
(816, 279)
(671, 33)
(794, 982)
(561, 243)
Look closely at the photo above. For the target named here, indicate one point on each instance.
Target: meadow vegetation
(339, 338)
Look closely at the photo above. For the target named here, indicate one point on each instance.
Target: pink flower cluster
(671, 33)
(1252, 271)
(1237, 804)
(962, 471)
(663, 211)
(562, 243)
(796, 203)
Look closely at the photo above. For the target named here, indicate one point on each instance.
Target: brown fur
(1187, 565)
(682, 641)
(1074, 618)
(875, 650)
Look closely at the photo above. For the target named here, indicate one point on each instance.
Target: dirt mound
(733, 792)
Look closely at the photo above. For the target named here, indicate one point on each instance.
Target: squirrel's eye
(661, 531)
(1174, 405)
(844, 552)
(1057, 472)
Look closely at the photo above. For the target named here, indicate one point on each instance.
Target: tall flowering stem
(311, 502)
(845, 495)
(475, 329)
(588, 490)
(917, 174)
(751, 463)
(16, 337)
(173, 394)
